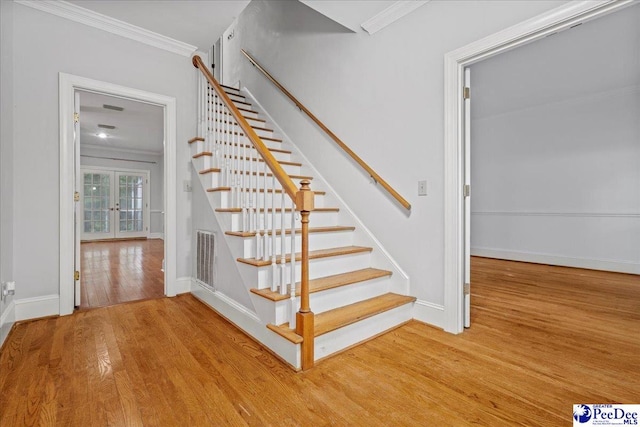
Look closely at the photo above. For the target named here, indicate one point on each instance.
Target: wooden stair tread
(261, 190)
(328, 282)
(253, 126)
(239, 210)
(282, 162)
(268, 138)
(328, 229)
(235, 102)
(202, 154)
(320, 253)
(276, 150)
(230, 87)
(337, 318)
(286, 332)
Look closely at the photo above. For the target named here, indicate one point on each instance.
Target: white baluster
(199, 102)
(274, 264)
(292, 287)
(235, 159)
(283, 244)
(216, 134)
(259, 216)
(243, 189)
(252, 181)
(265, 253)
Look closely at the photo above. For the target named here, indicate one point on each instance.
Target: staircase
(355, 288)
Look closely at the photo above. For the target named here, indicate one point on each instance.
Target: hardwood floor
(542, 339)
(114, 272)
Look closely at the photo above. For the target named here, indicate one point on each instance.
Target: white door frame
(550, 22)
(68, 84)
(146, 192)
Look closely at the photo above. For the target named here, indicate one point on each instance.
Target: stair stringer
(248, 319)
(399, 281)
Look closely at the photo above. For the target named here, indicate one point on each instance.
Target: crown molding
(106, 23)
(391, 14)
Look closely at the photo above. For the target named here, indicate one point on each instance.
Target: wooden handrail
(333, 136)
(277, 170)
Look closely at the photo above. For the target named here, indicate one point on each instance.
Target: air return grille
(206, 257)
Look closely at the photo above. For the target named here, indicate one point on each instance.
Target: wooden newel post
(304, 317)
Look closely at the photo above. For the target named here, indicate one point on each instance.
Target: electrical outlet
(8, 288)
(186, 186)
(422, 188)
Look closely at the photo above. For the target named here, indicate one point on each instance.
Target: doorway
(455, 256)
(69, 86)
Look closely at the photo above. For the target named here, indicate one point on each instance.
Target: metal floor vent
(206, 258)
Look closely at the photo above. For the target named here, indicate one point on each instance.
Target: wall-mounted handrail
(333, 136)
(282, 177)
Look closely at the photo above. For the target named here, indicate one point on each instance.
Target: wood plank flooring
(542, 339)
(120, 271)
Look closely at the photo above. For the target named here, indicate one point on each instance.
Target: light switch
(187, 186)
(422, 188)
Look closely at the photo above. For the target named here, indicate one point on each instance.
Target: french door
(115, 204)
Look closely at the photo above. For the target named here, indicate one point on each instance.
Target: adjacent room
(121, 217)
(555, 173)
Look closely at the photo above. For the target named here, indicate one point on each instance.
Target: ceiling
(350, 14)
(139, 127)
(199, 23)
(598, 56)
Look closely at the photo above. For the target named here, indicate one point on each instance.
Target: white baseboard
(33, 308)
(248, 322)
(7, 320)
(183, 285)
(538, 258)
(430, 313)
(156, 236)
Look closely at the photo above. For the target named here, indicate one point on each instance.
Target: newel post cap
(304, 197)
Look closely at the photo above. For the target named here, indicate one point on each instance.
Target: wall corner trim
(106, 23)
(391, 14)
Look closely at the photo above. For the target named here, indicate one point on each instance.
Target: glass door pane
(131, 205)
(97, 216)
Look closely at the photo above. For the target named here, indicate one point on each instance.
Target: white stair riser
(260, 277)
(233, 151)
(236, 97)
(245, 114)
(206, 162)
(347, 336)
(233, 220)
(247, 245)
(336, 297)
(214, 180)
(200, 146)
(234, 199)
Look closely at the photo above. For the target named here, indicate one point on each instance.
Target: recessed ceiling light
(102, 135)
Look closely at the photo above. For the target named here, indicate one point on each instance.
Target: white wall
(45, 45)
(383, 95)
(227, 277)
(6, 162)
(556, 148)
(89, 157)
